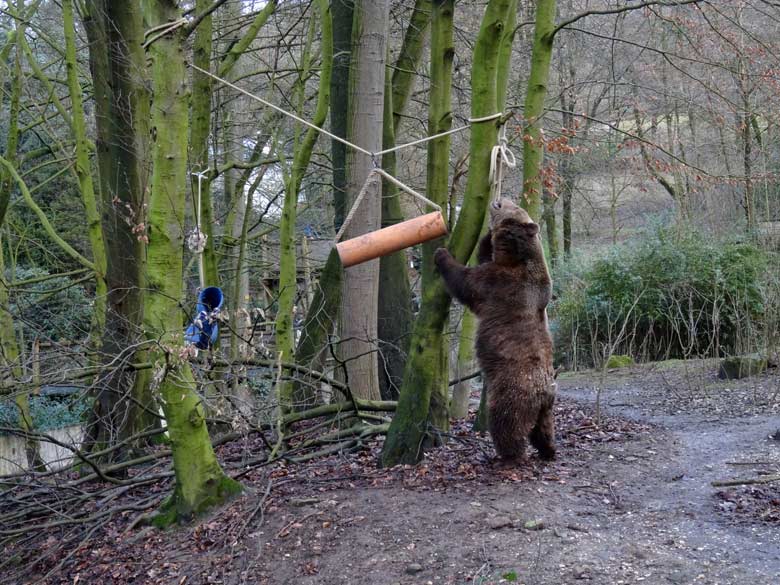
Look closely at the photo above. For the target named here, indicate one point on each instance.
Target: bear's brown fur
(508, 292)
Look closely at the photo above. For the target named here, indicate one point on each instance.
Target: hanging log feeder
(392, 238)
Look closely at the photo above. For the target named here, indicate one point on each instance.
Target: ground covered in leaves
(629, 500)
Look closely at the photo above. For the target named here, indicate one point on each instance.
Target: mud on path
(627, 501)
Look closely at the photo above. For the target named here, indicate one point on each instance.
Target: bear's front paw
(441, 257)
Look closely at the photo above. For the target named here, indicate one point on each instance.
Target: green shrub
(620, 361)
(47, 413)
(671, 293)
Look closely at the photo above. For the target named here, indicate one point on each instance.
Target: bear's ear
(531, 228)
(527, 229)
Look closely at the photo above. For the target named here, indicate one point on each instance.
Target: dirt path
(627, 501)
(636, 507)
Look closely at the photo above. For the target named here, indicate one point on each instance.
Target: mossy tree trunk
(10, 358)
(461, 392)
(395, 316)
(409, 56)
(325, 309)
(394, 310)
(469, 324)
(437, 188)
(200, 129)
(407, 433)
(358, 322)
(288, 273)
(533, 110)
(534, 185)
(321, 319)
(123, 406)
(83, 170)
(200, 481)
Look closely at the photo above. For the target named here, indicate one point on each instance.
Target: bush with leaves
(670, 293)
(47, 412)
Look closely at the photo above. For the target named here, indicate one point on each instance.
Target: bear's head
(504, 209)
(514, 234)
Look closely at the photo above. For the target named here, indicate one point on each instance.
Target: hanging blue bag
(204, 329)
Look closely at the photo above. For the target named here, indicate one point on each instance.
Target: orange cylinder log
(391, 239)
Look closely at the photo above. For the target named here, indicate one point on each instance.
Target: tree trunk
(409, 59)
(566, 170)
(342, 14)
(550, 224)
(10, 358)
(288, 273)
(395, 316)
(123, 406)
(200, 130)
(202, 93)
(358, 327)
(748, 200)
(437, 181)
(84, 174)
(503, 64)
(408, 431)
(533, 139)
(319, 324)
(461, 392)
(394, 309)
(200, 481)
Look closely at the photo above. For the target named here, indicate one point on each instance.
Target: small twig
(286, 528)
(260, 508)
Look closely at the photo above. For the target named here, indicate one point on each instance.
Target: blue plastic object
(204, 329)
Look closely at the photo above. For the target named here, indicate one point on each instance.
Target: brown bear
(508, 291)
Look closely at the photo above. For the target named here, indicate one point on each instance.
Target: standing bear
(508, 292)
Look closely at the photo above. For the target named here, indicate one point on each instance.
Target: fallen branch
(339, 407)
(749, 481)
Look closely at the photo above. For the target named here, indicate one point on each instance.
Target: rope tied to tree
(374, 155)
(196, 240)
(500, 156)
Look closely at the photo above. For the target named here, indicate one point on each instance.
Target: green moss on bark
(533, 110)
(407, 434)
(200, 481)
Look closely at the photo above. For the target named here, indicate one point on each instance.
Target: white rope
(501, 156)
(506, 156)
(440, 134)
(371, 178)
(373, 155)
(407, 189)
(197, 239)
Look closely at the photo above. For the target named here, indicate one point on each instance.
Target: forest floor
(628, 500)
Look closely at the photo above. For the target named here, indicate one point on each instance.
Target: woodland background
(648, 142)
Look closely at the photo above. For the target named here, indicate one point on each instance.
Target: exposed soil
(629, 500)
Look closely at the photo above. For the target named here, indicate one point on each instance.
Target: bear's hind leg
(508, 430)
(543, 434)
